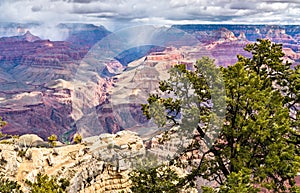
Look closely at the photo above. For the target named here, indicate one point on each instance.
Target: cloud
(36, 8)
(242, 6)
(81, 1)
(96, 7)
(134, 12)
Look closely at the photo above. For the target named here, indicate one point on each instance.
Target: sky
(116, 14)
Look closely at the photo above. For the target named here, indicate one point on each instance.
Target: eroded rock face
(37, 87)
(100, 164)
(26, 37)
(27, 65)
(96, 165)
(84, 35)
(287, 35)
(47, 88)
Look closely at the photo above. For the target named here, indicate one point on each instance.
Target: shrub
(52, 139)
(8, 186)
(77, 138)
(46, 184)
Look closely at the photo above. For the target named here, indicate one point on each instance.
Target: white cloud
(133, 12)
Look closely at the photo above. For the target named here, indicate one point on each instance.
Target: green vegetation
(6, 142)
(255, 146)
(5, 136)
(22, 152)
(52, 140)
(46, 184)
(2, 124)
(77, 138)
(8, 186)
(157, 179)
(42, 184)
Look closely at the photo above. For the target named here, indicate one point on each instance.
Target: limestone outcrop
(96, 165)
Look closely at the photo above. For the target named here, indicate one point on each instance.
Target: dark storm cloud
(36, 8)
(105, 15)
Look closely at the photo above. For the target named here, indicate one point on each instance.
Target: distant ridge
(25, 37)
(249, 30)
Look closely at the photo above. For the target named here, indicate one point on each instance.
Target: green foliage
(257, 143)
(236, 182)
(239, 182)
(6, 142)
(4, 136)
(151, 176)
(52, 139)
(258, 129)
(156, 179)
(46, 184)
(8, 186)
(2, 124)
(77, 138)
(22, 152)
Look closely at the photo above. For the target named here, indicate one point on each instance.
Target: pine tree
(258, 142)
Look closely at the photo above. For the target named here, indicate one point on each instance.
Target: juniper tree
(258, 143)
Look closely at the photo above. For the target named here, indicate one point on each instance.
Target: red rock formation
(30, 65)
(26, 37)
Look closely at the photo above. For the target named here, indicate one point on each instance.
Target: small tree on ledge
(2, 124)
(52, 139)
(77, 138)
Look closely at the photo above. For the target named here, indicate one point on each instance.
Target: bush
(52, 139)
(8, 186)
(158, 179)
(46, 184)
(2, 124)
(77, 138)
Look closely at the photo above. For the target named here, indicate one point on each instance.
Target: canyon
(88, 166)
(89, 84)
(93, 82)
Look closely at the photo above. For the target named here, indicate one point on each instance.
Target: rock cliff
(48, 87)
(37, 86)
(95, 165)
(100, 164)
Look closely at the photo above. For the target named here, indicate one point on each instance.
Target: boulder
(31, 140)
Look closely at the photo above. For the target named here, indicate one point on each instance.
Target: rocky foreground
(99, 164)
(89, 166)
